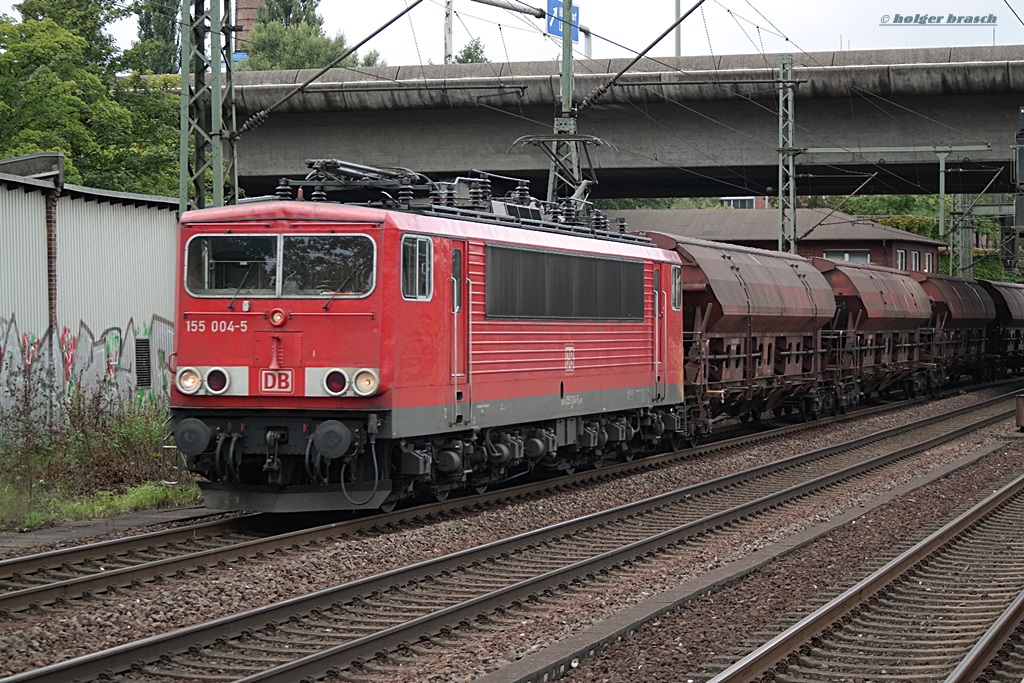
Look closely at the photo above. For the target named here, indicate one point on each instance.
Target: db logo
(276, 381)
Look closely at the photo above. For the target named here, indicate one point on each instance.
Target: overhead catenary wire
(600, 90)
(261, 116)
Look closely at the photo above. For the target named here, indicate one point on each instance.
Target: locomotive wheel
(389, 503)
(480, 490)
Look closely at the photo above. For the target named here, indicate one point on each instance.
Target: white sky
(726, 27)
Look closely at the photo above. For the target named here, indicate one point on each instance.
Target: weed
(79, 451)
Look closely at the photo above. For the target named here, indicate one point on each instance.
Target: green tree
(158, 46)
(288, 34)
(86, 19)
(290, 12)
(116, 133)
(297, 46)
(472, 53)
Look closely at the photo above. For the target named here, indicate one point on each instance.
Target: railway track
(941, 611)
(307, 636)
(43, 579)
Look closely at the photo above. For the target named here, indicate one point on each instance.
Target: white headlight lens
(189, 381)
(366, 382)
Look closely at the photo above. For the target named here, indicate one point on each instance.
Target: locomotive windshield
(335, 266)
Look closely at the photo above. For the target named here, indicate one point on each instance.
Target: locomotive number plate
(277, 381)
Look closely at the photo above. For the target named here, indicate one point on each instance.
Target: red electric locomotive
(344, 357)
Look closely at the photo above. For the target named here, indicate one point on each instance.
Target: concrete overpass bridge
(690, 126)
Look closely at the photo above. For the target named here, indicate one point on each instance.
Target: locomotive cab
(284, 316)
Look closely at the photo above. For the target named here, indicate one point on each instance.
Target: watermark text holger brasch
(938, 20)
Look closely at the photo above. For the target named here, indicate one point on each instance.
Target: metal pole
(185, 139)
(448, 31)
(679, 28)
(942, 206)
(787, 157)
(566, 80)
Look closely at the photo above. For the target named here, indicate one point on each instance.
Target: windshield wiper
(338, 290)
(231, 304)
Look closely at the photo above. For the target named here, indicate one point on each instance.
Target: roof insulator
(522, 194)
(476, 195)
(405, 196)
(284, 190)
(318, 194)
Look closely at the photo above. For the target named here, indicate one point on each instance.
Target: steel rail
(13, 601)
(751, 667)
(122, 657)
(987, 648)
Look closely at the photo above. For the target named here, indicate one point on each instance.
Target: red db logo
(276, 382)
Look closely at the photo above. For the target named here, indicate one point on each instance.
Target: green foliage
(59, 94)
(876, 205)
(289, 34)
(290, 13)
(57, 448)
(472, 53)
(988, 266)
(297, 46)
(86, 19)
(157, 50)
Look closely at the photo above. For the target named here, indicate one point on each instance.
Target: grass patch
(20, 512)
(81, 452)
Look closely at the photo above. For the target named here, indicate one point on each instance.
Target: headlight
(216, 381)
(189, 381)
(366, 382)
(277, 317)
(335, 382)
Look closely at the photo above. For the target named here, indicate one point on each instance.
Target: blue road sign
(555, 20)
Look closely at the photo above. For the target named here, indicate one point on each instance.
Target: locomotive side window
(677, 287)
(222, 265)
(417, 268)
(327, 265)
(536, 284)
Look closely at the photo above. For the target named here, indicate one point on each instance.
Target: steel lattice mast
(207, 174)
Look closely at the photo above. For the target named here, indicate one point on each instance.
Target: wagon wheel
(677, 441)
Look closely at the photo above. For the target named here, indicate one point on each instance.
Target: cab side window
(677, 288)
(417, 268)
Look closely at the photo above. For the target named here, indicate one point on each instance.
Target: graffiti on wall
(136, 358)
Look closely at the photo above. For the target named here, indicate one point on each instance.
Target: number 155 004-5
(216, 326)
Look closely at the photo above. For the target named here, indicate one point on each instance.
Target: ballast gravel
(81, 627)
